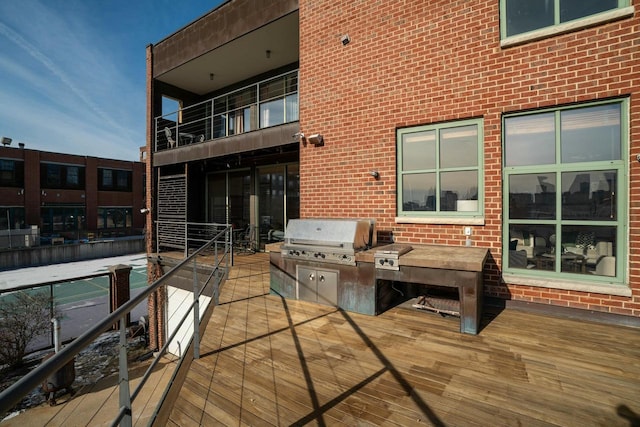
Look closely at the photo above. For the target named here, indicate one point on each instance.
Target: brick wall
(415, 62)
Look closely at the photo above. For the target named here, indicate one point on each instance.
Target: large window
(11, 173)
(68, 221)
(114, 180)
(523, 16)
(565, 187)
(63, 177)
(116, 217)
(440, 169)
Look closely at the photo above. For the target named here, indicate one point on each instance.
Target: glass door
(278, 200)
(229, 198)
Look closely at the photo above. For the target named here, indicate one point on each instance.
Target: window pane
(530, 247)
(530, 140)
(590, 134)
(589, 249)
(532, 196)
(107, 177)
(459, 147)
(419, 151)
(419, 192)
(574, 9)
(528, 15)
(272, 113)
(457, 187)
(589, 195)
(72, 176)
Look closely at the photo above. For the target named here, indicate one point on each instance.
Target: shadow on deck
(269, 361)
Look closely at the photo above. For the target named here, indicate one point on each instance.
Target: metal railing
(185, 236)
(220, 247)
(264, 104)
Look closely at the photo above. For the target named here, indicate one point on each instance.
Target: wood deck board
(268, 361)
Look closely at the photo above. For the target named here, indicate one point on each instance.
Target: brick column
(119, 287)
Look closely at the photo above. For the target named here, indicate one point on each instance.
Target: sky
(73, 72)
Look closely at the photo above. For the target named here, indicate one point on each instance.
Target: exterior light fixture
(375, 174)
(316, 139)
(345, 39)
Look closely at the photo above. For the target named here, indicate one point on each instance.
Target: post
(124, 394)
(196, 312)
(56, 334)
(119, 288)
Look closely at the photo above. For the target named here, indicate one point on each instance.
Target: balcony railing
(207, 280)
(267, 103)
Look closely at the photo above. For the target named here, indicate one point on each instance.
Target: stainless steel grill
(328, 240)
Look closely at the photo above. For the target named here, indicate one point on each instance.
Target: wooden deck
(269, 361)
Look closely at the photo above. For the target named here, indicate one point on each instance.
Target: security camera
(345, 39)
(144, 211)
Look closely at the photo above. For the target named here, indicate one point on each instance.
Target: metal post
(9, 228)
(51, 313)
(186, 241)
(56, 334)
(125, 396)
(196, 313)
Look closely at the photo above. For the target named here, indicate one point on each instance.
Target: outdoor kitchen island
(368, 283)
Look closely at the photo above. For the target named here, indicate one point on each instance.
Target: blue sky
(72, 72)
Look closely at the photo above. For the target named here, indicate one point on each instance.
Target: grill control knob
(322, 256)
(381, 261)
(390, 262)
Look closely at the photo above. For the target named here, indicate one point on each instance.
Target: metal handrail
(14, 393)
(202, 114)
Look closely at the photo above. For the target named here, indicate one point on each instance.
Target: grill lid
(346, 234)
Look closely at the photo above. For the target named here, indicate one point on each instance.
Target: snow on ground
(48, 273)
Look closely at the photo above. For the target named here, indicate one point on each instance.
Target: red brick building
(70, 197)
(518, 123)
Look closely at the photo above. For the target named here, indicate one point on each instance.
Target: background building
(69, 198)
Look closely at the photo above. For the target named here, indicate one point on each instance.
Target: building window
(523, 16)
(66, 221)
(440, 169)
(114, 218)
(11, 218)
(62, 177)
(11, 173)
(114, 180)
(565, 191)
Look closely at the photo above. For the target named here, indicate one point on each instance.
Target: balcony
(265, 104)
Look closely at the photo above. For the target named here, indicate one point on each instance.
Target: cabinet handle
(311, 276)
(321, 278)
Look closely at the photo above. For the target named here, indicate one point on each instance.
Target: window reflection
(419, 192)
(589, 195)
(419, 151)
(530, 140)
(590, 134)
(459, 147)
(532, 196)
